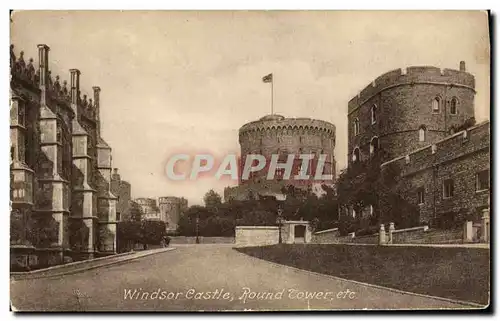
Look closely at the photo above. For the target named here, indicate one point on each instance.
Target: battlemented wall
(403, 98)
(459, 157)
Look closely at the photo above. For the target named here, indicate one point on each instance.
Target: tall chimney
(462, 65)
(74, 89)
(97, 92)
(43, 61)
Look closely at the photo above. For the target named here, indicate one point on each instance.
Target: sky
(186, 81)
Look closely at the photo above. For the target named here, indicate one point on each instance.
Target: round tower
(403, 110)
(275, 134)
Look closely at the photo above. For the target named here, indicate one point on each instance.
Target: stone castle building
(168, 209)
(123, 190)
(275, 134)
(171, 209)
(422, 118)
(149, 209)
(62, 206)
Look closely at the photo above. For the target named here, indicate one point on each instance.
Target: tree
(366, 184)
(212, 199)
(153, 232)
(135, 211)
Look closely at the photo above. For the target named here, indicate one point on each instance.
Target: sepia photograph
(249, 161)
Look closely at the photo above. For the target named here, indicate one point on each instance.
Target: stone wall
(256, 235)
(326, 236)
(459, 157)
(404, 103)
(421, 236)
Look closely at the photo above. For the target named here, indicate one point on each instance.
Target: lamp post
(279, 220)
(198, 229)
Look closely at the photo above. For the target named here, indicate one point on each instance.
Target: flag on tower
(268, 78)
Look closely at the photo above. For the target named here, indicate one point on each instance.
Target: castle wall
(459, 157)
(171, 209)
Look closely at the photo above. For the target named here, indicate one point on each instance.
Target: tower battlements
(279, 123)
(412, 76)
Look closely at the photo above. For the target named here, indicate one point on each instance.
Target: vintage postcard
(249, 160)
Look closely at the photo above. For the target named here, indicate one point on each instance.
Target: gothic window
(356, 127)
(454, 106)
(356, 155)
(12, 153)
(374, 114)
(59, 133)
(436, 102)
(422, 133)
(22, 115)
(374, 145)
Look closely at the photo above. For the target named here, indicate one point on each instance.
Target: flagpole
(272, 94)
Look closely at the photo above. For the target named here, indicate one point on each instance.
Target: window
(454, 106)
(420, 195)
(59, 133)
(356, 127)
(12, 153)
(22, 115)
(355, 155)
(435, 104)
(448, 188)
(483, 180)
(374, 114)
(353, 213)
(374, 145)
(422, 133)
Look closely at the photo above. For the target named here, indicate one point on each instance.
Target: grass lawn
(455, 273)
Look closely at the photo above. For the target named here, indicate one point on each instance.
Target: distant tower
(171, 209)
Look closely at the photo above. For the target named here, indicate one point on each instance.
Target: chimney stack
(97, 92)
(75, 88)
(462, 65)
(43, 65)
(115, 171)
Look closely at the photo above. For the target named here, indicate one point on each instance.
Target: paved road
(204, 277)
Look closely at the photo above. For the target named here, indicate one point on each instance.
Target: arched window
(374, 114)
(374, 144)
(436, 102)
(454, 106)
(356, 126)
(422, 133)
(355, 155)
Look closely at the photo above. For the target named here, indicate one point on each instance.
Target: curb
(69, 264)
(78, 270)
(466, 303)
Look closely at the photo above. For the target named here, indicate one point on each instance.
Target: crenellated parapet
(277, 123)
(456, 146)
(412, 76)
